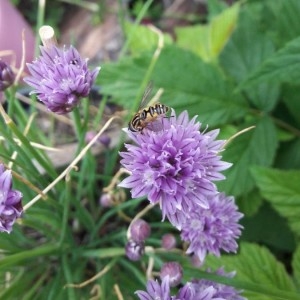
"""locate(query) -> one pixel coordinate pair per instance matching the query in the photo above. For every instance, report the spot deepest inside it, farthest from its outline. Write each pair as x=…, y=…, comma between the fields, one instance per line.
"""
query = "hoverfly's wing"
x=146, y=99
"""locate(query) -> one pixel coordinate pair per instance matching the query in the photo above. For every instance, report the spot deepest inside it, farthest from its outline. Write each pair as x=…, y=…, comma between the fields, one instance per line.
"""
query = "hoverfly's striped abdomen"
x=147, y=115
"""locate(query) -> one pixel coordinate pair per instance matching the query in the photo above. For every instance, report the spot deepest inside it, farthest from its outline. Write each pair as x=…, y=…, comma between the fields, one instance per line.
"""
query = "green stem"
x=68, y=276
x=66, y=210
x=140, y=16
x=79, y=128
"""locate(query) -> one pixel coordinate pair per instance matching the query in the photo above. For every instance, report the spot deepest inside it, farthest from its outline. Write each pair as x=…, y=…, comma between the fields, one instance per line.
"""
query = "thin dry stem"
x=22, y=66
x=72, y=164
x=35, y=145
x=85, y=283
x=26, y=130
x=160, y=43
x=47, y=35
x=96, y=290
x=115, y=180
x=118, y=292
x=137, y=216
x=236, y=135
x=42, y=108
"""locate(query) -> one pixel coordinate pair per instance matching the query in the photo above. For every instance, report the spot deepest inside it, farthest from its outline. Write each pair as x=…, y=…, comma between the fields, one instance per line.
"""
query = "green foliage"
x=282, y=190
x=240, y=68
x=258, y=272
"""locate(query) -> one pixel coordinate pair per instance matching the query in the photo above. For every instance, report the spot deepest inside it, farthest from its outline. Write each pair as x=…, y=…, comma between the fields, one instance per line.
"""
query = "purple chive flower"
x=208, y=290
x=213, y=229
x=156, y=291
x=60, y=77
x=10, y=201
x=173, y=270
x=175, y=167
x=134, y=250
x=140, y=230
x=7, y=76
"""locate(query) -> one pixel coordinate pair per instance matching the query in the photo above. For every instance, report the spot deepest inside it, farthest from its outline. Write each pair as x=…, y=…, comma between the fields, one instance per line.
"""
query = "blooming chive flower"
x=208, y=290
x=10, y=201
x=213, y=229
x=175, y=167
x=156, y=291
x=60, y=77
x=6, y=76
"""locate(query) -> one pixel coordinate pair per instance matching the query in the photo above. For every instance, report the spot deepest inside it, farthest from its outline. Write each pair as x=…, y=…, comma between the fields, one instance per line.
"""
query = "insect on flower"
x=148, y=112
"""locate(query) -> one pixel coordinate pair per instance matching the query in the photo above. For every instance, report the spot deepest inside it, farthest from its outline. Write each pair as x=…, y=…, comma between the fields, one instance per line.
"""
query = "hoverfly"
x=147, y=113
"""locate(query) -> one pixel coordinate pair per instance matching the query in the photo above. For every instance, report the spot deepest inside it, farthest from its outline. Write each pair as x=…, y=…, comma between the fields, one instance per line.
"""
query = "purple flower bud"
x=60, y=77
x=89, y=136
x=10, y=201
x=106, y=200
x=174, y=271
x=139, y=230
x=104, y=140
x=168, y=241
x=134, y=250
x=7, y=76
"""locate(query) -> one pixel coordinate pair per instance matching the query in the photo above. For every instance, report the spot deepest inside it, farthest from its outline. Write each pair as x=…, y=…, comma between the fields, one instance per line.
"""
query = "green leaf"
x=246, y=50
x=287, y=16
x=188, y=83
x=207, y=41
x=282, y=190
x=250, y=203
x=283, y=66
x=289, y=155
x=296, y=265
x=290, y=96
x=262, y=277
x=256, y=147
x=142, y=38
x=267, y=227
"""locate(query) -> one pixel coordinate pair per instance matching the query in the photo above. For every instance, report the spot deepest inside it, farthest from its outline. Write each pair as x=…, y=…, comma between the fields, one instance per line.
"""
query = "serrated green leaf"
x=142, y=38
x=188, y=83
x=256, y=265
x=249, y=203
x=282, y=190
x=256, y=147
x=296, y=265
x=207, y=41
x=283, y=66
x=287, y=16
x=246, y=50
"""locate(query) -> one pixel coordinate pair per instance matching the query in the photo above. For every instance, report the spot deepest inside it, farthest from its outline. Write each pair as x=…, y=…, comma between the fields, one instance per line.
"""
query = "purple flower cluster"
x=10, y=201
x=60, y=77
x=176, y=167
x=195, y=290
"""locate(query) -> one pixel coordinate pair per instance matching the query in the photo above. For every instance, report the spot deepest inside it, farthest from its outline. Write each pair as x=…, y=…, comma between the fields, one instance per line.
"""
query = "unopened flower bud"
x=174, y=271
x=106, y=200
x=139, y=230
x=89, y=135
x=168, y=241
x=6, y=76
x=104, y=140
x=134, y=250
